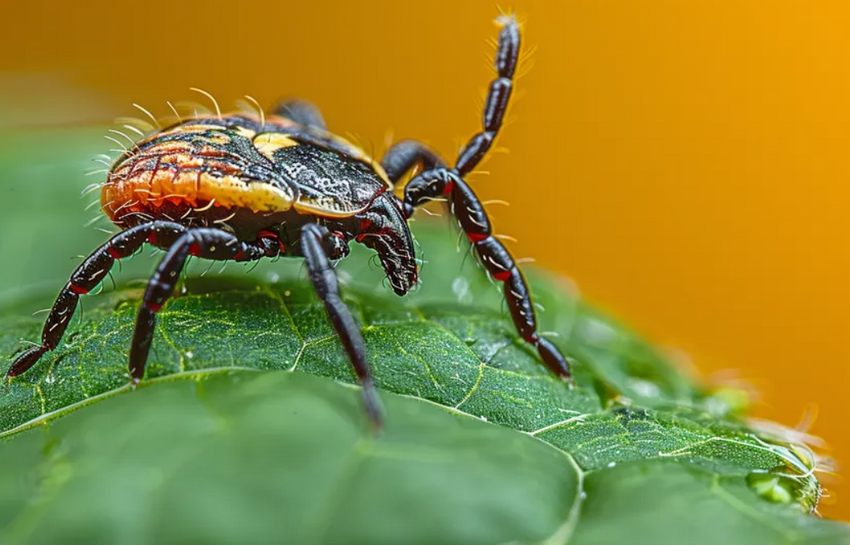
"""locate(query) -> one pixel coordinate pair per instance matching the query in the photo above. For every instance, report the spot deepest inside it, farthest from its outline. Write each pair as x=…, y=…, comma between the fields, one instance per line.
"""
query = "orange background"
x=685, y=162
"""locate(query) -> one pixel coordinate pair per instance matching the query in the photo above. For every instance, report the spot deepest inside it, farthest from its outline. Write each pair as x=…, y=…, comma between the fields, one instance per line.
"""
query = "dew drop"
x=460, y=287
x=727, y=400
x=596, y=332
x=645, y=388
x=344, y=277
x=770, y=487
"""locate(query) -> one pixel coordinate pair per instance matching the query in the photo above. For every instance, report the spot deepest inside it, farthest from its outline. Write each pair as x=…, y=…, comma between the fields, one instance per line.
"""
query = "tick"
x=243, y=187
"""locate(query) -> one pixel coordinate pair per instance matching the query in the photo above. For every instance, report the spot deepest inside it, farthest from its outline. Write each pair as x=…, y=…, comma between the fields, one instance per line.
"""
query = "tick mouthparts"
x=385, y=231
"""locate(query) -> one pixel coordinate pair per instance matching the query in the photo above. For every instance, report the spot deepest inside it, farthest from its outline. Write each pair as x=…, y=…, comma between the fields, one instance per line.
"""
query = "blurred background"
x=685, y=163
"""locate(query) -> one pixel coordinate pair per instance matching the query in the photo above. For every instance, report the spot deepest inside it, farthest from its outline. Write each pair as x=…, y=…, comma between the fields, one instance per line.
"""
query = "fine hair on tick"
x=261, y=184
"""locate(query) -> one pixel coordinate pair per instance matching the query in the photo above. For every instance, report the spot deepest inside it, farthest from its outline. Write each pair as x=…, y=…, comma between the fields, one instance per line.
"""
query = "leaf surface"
x=231, y=440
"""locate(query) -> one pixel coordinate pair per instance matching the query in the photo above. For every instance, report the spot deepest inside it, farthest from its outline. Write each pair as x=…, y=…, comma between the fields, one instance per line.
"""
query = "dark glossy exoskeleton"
x=243, y=187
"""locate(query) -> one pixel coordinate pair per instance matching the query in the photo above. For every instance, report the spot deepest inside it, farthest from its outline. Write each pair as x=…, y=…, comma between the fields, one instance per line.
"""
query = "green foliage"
x=276, y=457
x=235, y=438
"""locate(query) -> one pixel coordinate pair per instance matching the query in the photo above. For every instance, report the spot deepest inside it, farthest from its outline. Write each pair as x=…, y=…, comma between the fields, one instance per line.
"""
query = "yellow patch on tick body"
x=270, y=142
x=197, y=170
x=324, y=206
x=245, y=132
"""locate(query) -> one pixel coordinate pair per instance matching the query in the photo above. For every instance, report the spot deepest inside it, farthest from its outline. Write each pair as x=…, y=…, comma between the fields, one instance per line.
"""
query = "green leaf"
x=246, y=458
x=660, y=502
x=230, y=440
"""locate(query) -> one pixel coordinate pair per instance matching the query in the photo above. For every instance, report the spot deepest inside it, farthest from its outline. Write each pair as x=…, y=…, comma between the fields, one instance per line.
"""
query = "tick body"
x=243, y=187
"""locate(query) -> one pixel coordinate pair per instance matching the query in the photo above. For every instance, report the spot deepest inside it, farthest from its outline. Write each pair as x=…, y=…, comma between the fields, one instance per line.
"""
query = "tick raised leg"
x=316, y=245
x=507, y=57
x=472, y=216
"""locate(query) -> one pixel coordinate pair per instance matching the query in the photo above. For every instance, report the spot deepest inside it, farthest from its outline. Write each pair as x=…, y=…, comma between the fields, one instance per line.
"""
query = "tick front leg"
x=498, y=97
x=474, y=221
x=316, y=245
x=469, y=211
x=88, y=275
x=204, y=243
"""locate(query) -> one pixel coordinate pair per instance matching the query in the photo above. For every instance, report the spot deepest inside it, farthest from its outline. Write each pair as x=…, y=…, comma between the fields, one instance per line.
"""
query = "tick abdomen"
x=193, y=167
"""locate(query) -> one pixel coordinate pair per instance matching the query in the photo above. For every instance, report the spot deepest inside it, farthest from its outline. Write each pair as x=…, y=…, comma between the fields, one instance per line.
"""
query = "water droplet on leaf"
x=770, y=487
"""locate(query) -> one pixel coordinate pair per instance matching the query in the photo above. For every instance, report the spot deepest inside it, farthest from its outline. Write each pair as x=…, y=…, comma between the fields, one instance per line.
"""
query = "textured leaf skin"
x=210, y=451
x=275, y=457
x=662, y=502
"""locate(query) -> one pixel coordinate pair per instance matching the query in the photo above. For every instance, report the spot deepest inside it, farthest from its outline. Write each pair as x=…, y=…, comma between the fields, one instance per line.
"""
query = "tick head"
x=384, y=229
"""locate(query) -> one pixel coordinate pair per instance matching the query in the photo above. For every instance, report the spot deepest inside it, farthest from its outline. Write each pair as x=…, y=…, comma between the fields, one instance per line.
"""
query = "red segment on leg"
x=502, y=276
x=274, y=236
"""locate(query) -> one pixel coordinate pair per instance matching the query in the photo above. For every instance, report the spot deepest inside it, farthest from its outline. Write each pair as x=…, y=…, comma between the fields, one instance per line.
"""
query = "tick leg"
x=420, y=188
x=88, y=275
x=205, y=243
x=404, y=155
x=302, y=112
x=470, y=213
x=316, y=245
x=474, y=221
x=498, y=96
